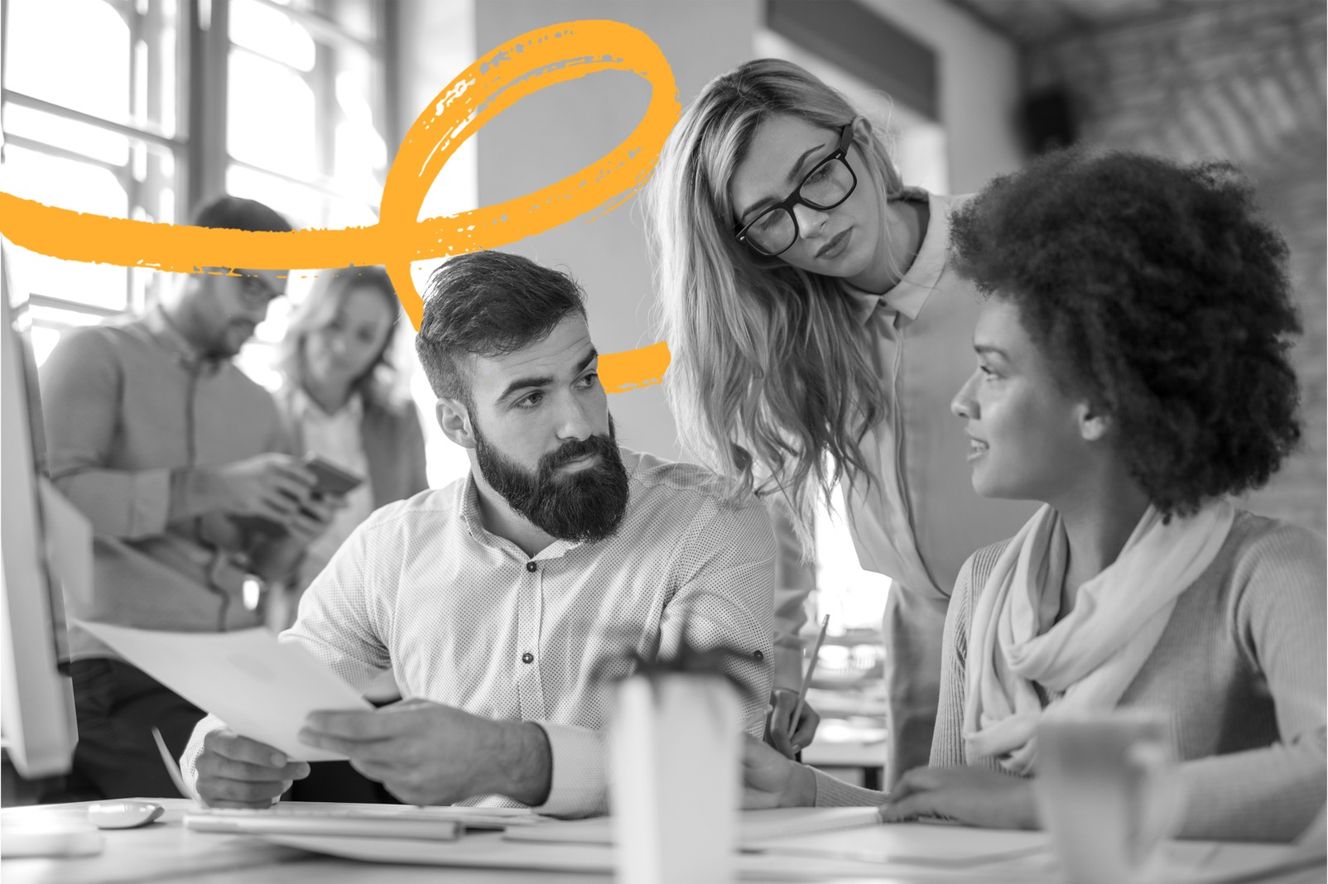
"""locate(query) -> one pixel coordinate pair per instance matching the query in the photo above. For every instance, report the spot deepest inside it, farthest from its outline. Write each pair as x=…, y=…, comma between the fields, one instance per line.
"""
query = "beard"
x=224, y=345
x=582, y=506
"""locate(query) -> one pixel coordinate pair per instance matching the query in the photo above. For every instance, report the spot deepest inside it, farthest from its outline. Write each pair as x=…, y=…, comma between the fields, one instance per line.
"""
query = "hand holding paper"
x=262, y=688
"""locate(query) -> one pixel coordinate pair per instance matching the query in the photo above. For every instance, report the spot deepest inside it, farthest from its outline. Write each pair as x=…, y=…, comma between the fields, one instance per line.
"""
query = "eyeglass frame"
x=794, y=199
x=251, y=289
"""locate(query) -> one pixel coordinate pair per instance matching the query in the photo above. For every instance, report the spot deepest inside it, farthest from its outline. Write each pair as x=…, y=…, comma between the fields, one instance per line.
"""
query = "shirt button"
x=759, y=656
x=532, y=568
x=527, y=657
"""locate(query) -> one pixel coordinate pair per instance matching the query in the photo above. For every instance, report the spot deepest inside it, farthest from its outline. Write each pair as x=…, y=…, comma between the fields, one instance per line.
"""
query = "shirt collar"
x=169, y=338
x=304, y=405
x=910, y=294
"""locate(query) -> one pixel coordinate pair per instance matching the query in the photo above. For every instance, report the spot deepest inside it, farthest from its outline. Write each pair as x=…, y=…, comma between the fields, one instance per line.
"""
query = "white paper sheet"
x=262, y=688
x=905, y=852
x=754, y=829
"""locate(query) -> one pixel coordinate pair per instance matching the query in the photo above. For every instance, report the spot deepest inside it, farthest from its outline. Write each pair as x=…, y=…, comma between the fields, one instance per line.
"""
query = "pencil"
x=807, y=677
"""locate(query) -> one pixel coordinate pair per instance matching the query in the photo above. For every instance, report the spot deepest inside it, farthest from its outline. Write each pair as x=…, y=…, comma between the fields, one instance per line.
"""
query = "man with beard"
x=504, y=602
x=167, y=447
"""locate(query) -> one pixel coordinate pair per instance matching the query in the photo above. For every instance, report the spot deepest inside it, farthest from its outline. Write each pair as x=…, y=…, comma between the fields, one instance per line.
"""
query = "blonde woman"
x=818, y=333
x=336, y=399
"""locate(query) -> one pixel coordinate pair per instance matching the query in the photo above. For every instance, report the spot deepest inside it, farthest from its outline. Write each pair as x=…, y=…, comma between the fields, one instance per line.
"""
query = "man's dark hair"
x=487, y=304
x=238, y=213
x=1159, y=292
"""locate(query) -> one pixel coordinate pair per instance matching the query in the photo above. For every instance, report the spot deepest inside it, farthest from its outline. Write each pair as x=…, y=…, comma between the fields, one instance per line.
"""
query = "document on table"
x=756, y=826
x=899, y=851
x=262, y=688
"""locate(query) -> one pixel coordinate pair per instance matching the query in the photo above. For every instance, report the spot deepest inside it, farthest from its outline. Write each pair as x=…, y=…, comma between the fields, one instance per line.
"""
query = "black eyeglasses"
x=827, y=185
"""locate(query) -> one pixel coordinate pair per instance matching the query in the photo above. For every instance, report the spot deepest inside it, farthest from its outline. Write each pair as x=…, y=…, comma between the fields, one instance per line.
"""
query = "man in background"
x=195, y=498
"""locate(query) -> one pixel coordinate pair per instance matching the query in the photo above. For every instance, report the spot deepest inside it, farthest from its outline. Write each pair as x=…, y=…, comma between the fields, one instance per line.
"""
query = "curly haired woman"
x=1132, y=374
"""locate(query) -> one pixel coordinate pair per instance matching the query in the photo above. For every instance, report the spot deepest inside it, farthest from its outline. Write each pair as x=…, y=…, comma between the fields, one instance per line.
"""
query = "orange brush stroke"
x=515, y=70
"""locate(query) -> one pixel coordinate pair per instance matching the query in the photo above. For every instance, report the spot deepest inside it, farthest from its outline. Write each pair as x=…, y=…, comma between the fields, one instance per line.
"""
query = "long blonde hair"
x=771, y=380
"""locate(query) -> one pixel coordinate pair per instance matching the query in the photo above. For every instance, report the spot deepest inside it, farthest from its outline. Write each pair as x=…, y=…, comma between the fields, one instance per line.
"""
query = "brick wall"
x=1242, y=80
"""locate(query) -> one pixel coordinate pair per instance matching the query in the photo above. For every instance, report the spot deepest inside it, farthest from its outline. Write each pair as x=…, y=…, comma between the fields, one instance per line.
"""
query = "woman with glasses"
x=817, y=333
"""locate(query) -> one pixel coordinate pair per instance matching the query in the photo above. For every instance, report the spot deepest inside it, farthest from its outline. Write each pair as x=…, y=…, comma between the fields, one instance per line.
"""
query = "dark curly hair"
x=1159, y=292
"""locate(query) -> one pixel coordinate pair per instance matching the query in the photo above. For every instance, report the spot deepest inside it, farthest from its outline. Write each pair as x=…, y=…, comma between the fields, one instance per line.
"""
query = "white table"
x=167, y=852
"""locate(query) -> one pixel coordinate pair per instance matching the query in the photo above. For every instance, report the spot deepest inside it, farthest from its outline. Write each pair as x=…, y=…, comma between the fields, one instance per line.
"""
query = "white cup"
x=675, y=749
x=1108, y=793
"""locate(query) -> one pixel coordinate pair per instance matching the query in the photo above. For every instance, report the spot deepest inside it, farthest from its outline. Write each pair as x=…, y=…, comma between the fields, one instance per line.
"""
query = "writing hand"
x=781, y=731
x=771, y=780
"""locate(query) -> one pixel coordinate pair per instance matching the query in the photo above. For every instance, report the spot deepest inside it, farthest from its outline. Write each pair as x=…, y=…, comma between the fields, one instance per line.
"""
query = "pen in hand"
x=785, y=719
x=811, y=669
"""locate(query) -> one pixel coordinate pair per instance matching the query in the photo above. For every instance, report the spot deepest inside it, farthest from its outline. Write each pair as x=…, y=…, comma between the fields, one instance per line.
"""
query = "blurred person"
x=176, y=457
x=818, y=331
x=503, y=603
x=1132, y=375
x=337, y=402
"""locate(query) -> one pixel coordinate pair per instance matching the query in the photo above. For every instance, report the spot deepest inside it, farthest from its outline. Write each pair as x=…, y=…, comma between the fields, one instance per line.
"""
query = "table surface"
x=167, y=852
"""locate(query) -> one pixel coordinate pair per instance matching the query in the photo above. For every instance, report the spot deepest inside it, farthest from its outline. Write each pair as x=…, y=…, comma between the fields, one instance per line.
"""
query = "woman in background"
x=818, y=333
x=1132, y=373
x=336, y=401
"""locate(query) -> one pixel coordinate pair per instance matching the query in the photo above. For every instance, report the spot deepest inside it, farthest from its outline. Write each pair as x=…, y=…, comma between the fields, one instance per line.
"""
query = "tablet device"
x=331, y=479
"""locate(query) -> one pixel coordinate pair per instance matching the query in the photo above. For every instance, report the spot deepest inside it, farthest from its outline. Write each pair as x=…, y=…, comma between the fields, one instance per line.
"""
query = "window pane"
x=76, y=53
x=71, y=185
x=272, y=34
x=359, y=150
x=303, y=205
x=853, y=596
x=271, y=117
x=356, y=16
x=91, y=141
x=44, y=340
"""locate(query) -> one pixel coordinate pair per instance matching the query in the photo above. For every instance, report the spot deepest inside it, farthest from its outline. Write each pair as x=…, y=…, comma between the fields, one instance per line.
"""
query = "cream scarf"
x=1095, y=652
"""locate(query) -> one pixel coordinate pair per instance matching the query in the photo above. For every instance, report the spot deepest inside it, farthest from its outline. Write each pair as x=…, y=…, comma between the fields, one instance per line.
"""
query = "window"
x=99, y=135
x=110, y=106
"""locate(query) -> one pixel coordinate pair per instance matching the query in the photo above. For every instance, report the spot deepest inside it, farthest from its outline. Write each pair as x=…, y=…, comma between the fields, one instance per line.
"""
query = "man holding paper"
x=504, y=602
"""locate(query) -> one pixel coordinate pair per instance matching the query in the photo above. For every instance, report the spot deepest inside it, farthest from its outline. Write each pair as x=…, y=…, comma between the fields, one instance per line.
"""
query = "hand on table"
x=969, y=795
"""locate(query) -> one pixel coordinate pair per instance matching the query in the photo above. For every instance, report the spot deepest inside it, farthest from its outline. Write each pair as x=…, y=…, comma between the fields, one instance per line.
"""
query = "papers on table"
x=907, y=852
x=262, y=688
x=755, y=826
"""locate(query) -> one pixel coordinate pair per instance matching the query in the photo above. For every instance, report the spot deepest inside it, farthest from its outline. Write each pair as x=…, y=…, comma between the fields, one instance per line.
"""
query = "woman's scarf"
x=1095, y=652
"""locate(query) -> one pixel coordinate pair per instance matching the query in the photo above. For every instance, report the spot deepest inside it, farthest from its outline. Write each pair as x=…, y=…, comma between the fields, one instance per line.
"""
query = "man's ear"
x=454, y=418
x=1094, y=421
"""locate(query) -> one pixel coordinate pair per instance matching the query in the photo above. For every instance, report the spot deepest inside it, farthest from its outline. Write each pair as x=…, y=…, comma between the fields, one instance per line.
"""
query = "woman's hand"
x=771, y=780
x=968, y=795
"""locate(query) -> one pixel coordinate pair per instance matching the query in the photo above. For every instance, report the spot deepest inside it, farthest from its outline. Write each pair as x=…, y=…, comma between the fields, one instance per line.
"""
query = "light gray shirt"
x=464, y=618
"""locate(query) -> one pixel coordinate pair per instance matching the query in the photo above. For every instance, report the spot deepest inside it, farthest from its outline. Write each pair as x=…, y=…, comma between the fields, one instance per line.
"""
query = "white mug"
x=1108, y=793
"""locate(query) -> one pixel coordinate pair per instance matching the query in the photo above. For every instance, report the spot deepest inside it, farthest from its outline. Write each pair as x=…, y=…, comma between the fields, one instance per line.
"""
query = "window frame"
x=198, y=146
